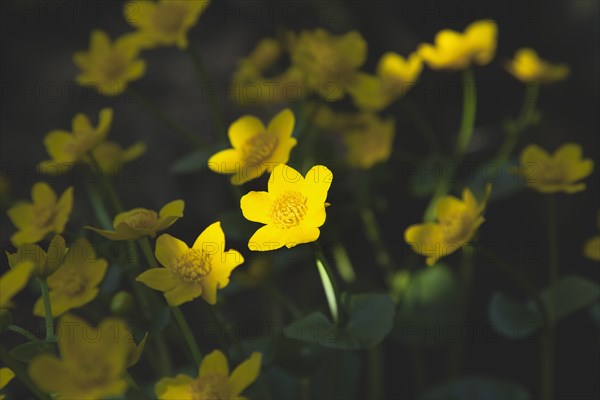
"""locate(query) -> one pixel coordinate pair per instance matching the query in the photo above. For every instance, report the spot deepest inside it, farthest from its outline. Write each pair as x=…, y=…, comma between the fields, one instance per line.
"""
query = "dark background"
x=38, y=94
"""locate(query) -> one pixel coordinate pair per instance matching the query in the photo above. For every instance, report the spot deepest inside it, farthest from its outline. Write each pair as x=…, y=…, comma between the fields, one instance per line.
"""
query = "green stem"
x=548, y=335
x=165, y=119
x=21, y=373
x=373, y=233
x=330, y=287
x=217, y=113
x=375, y=379
x=465, y=133
x=23, y=332
x=98, y=206
x=47, y=310
x=187, y=334
x=144, y=243
x=524, y=120
x=422, y=124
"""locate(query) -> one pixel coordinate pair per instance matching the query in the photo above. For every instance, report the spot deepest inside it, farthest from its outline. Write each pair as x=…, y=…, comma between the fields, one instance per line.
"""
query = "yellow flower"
x=140, y=222
x=46, y=263
x=213, y=382
x=13, y=281
x=76, y=282
x=109, y=67
x=256, y=149
x=529, y=68
x=6, y=375
x=166, y=22
x=591, y=248
x=192, y=272
x=111, y=156
x=328, y=62
x=455, y=50
x=93, y=360
x=458, y=220
x=369, y=143
x=46, y=214
x=395, y=76
x=66, y=148
x=293, y=209
x=555, y=173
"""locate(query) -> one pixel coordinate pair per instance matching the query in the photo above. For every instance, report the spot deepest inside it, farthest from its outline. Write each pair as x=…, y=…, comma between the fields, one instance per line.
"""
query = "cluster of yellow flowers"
x=292, y=210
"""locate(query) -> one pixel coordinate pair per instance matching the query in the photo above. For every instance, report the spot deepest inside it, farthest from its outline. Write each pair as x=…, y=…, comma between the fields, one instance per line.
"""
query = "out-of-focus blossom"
x=529, y=68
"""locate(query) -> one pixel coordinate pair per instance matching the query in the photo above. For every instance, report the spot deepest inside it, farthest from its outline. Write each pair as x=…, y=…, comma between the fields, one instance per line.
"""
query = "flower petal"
x=22, y=215
x=448, y=206
x=243, y=129
x=223, y=265
x=177, y=388
x=214, y=363
x=211, y=240
x=43, y=195
x=282, y=124
x=425, y=239
x=283, y=179
x=168, y=248
x=172, y=209
x=245, y=373
x=227, y=161
x=316, y=185
x=256, y=205
x=302, y=234
x=182, y=293
x=158, y=279
x=49, y=373
x=269, y=237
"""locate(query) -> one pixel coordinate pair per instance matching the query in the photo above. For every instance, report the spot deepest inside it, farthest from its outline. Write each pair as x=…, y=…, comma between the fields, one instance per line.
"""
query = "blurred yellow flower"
x=457, y=222
x=111, y=156
x=93, y=360
x=109, y=67
x=395, y=76
x=591, y=248
x=166, y=22
x=192, y=272
x=46, y=263
x=454, y=50
x=13, y=281
x=293, y=209
x=559, y=172
x=529, y=68
x=140, y=222
x=370, y=143
x=76, y=282
x=46, y=214
x=213, y=382
x=256, y=149
x=328, y=62
x=6, y=375
x=66, y=148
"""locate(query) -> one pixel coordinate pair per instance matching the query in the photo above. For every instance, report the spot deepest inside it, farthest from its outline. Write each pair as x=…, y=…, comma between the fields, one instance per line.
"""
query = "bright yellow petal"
x=158, y=279
x=209, y=290
x=214, y=363
x=316, y=185
x=6, y=375
x=315, y=217
x=426, y=239
x=172, y=209
x=243, y=129
x=211, y=240
x=182, y=293
x=13, y=281
x=177, y=388
x=283, y=179
x=269, y=237
x=227, y=161
x=256, y=206
x=281, y=154
x=449, y=206
x=245, y=374
x=223, y=264
x=301, y=234
x=282, y=125
x=43, y=195
x=168, y=249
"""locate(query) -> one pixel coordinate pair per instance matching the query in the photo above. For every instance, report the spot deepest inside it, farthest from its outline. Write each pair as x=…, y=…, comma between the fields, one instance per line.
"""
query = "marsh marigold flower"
x=189, y=273
x=457, y=222
x=559, y=172
x=76, y=281
x=256, y=149
x=328, y=62
x=293, y=209
x=93, y=360
x=44, y=215
x=13, y=281
x=455, y=51
x=395, y=76
x=166, y=22
x=46, y=262
x=529, y=68
x=6, y=375
x=109, y=67
x=111, y=156
x=591, y=248
x=66, y=148
x=140, y=222
x=213, y=381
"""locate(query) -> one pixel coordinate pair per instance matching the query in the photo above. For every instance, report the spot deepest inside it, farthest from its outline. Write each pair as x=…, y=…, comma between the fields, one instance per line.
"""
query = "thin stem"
x=23, y=332
x=187, y=334
x=330, y=287
x=217, y=113
x=375, y=383
x=47, y=310
x=373, y=233
x=165, y=119
x=144, y=243
x=98, y=206
x=21, y=373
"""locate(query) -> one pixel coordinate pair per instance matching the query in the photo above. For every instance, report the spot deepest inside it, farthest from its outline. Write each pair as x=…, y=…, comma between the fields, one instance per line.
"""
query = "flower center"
x=288, y=210
x=113, y=66
x=193, y=266
x=142, y=219
x=552, y=173
x=210, y=387
x=81, y=143
x=456, y=227
x=169, y=17
x=44, y=216
x=91, y=372
x=72, y=284
x=259, y=148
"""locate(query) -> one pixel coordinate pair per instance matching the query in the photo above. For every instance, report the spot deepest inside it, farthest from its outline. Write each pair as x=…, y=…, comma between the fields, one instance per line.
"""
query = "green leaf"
x=518, y=320
x=370, y=319
x=27, y=351
x=428, y=305
x=194, y=162
x=477, y=388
